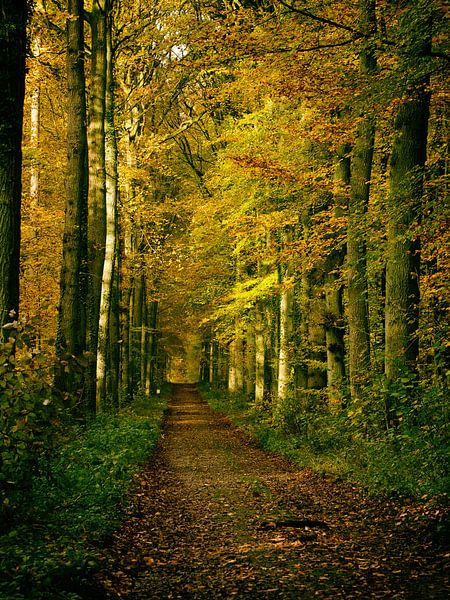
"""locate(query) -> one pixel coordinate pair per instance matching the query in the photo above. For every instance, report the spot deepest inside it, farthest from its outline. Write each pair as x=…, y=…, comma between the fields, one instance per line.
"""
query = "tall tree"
x=111, y=223
x=71, y=336
x=97, y=182
x=406, y=186
x=14, y=14
x=361, y=172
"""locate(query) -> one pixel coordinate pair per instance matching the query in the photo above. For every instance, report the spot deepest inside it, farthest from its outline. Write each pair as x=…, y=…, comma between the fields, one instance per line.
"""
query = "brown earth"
x=215, y=517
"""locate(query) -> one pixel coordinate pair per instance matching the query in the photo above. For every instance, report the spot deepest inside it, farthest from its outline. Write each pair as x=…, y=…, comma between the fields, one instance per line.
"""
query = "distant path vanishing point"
x=215, y=517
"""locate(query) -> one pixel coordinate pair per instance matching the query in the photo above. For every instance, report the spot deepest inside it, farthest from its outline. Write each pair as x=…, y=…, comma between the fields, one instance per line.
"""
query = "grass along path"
x=215, y=517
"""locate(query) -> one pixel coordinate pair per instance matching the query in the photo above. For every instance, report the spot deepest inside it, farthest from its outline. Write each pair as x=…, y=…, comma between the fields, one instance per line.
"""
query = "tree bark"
x=125, y=293
x=334, y=313
x=232, y=381
x=361, y=172
x=111, y=225
x=35, y=118
x=12, y=84
x=113, y=376
x=249, y=378
x=260, y=355
x=97, y=183
x=285, y=329
x=404, y=202
x=71, y=336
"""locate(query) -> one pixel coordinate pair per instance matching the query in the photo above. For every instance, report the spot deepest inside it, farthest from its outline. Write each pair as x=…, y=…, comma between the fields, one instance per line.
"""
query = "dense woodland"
x=249, y=193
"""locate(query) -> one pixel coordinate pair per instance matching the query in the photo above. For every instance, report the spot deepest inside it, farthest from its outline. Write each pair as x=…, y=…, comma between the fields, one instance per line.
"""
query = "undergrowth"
x=411, y=460
x=74, y=503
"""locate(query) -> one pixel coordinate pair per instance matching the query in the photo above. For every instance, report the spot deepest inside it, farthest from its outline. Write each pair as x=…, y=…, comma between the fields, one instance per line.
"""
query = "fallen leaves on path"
x=215, y=517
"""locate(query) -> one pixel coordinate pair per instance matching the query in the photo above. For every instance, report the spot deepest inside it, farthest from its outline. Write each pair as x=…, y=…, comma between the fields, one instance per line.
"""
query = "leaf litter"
x=213, y=516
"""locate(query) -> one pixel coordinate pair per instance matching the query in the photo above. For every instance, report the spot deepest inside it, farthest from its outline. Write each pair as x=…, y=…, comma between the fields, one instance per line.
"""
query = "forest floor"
x=215, y=517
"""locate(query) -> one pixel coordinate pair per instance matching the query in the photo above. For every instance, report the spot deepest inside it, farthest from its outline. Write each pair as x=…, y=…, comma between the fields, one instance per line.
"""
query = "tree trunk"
x=111, y=225
x=124, y=240
x=137, y=314
x=260, y=355
x=35, y=118
x=285, y=330
x=232, y=381
x=249, y=379
x=143, y=350
x=334, y=313
x=150, y=379
x=317, y=375
x=71, y=336
x=97, y=183
x=404, y=201
x=361, y=172
x=12, y=85
x=403, y=262
x=113, y=377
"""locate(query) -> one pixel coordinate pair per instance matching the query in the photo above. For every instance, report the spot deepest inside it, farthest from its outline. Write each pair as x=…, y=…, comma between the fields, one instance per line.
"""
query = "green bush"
x=411, y=458
x=30, y=417
x=75, y=505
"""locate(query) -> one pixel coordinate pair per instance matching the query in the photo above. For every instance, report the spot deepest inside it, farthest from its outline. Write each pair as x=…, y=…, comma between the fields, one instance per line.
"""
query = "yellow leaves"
x=246, y=293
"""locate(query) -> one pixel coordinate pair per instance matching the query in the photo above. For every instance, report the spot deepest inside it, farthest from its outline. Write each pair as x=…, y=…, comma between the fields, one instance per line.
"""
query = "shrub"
x=30, y=416
x=74, y=504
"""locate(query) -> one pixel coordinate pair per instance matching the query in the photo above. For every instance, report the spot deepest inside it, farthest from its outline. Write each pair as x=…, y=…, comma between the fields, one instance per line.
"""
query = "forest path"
x=215, y=517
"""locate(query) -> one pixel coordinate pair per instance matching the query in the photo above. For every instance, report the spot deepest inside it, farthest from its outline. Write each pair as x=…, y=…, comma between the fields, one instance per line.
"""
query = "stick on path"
x=215, y=517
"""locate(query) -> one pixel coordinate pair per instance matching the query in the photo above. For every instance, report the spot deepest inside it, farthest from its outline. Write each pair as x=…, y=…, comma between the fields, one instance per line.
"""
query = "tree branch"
x=324, y=20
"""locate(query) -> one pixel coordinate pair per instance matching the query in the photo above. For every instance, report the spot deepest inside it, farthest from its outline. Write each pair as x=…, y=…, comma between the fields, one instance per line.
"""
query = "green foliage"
x=409, y=459
x=75, y=505
x=234, y=404
x=30, y=415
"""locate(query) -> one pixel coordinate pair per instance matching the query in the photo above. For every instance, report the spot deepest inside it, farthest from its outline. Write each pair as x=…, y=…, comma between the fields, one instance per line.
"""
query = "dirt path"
x=214, y=517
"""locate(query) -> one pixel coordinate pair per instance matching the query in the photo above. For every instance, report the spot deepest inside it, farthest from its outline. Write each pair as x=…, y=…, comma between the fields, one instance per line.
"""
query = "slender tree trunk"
x=71, y=336
x=361, y=173
x=212, y=360
x=150, y=380
x=301, y=337
x=239, y=358
x=35, y=118
x=136, y=331
x=12, y=85
x=111, y=225
x=334, y=315
x=223, y=366
x=143, y=350
x=113, y=378
x=249, y=379
x=260, y=355
x=273, y=319
x=124, y=240
x=286, y=330
x=232, y=380
x=97, y=183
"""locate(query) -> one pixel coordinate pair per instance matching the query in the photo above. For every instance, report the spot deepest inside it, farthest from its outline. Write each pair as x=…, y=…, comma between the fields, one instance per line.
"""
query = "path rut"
x=216, y=517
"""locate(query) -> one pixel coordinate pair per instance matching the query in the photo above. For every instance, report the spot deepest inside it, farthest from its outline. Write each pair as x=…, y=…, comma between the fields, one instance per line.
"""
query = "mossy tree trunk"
x=404, y=201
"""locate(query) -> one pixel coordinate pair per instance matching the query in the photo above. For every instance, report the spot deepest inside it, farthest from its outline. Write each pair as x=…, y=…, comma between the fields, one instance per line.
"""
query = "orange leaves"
x=263, y=168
